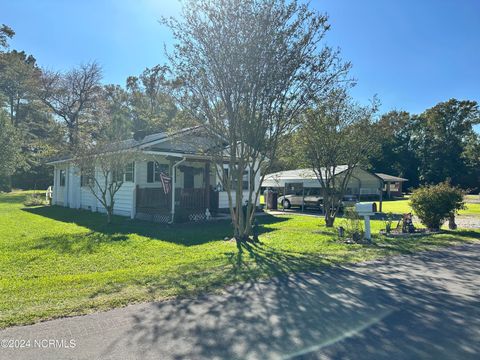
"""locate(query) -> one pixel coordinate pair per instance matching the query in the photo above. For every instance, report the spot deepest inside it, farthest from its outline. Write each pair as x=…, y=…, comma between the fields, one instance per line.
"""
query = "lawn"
x=402, y=206
x=59, y=262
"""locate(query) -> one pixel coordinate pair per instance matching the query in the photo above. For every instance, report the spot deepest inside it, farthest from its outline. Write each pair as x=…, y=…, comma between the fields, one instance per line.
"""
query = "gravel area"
x=468, y=222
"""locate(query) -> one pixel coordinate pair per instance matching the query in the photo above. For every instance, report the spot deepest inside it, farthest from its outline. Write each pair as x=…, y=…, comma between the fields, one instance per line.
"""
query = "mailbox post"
x=366, y=209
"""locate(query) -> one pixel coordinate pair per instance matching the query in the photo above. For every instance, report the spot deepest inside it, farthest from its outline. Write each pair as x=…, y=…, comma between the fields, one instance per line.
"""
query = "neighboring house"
x=180, y=156
x=362, y=184
x=393, y=185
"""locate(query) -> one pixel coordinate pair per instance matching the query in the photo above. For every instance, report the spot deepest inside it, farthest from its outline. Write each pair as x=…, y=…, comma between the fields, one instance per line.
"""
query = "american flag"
x=166, y=182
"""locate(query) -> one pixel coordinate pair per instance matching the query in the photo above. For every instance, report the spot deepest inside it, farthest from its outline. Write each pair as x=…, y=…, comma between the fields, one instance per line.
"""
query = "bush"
x=35, y=200
x=433, y=204
x=353, y=224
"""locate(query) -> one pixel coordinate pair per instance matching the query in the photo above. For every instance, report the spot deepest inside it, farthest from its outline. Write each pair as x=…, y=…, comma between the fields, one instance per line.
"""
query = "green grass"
x=472, y=209
x=395, y=206
x=403, y=206
x=59, y=262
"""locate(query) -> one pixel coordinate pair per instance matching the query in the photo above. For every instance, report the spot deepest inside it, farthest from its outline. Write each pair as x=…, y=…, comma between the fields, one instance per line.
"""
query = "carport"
x=363, y=184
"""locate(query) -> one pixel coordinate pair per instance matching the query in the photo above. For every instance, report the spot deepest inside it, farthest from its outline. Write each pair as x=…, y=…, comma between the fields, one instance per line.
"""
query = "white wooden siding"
x=223, y=199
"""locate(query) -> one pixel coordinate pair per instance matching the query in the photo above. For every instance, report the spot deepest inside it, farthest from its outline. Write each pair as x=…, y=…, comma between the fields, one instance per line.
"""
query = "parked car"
x=312, y=199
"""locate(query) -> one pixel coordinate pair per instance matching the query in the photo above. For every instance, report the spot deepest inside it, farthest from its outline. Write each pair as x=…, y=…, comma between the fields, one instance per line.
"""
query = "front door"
x=188, y=178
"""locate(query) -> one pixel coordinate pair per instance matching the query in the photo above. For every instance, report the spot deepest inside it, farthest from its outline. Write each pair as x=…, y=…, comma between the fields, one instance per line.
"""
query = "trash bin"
x=271, y=199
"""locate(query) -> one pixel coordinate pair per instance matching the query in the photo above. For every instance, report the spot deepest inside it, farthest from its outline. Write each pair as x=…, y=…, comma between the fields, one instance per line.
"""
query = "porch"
x=191, y=204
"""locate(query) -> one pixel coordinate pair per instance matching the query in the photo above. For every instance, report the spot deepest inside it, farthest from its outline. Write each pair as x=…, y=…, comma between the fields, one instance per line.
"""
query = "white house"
x=178, y=155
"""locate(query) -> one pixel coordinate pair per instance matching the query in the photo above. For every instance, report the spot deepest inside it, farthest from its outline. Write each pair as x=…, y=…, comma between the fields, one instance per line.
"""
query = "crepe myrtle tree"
x=338, y=136
x=104, y=158
x=104, y=174
x=246, y=69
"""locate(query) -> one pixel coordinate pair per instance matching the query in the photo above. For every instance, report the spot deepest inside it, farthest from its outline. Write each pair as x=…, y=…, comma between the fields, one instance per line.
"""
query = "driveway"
x=425, y=306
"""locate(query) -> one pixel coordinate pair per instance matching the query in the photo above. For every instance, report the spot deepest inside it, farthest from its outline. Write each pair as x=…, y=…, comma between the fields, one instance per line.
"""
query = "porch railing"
x=151, y=200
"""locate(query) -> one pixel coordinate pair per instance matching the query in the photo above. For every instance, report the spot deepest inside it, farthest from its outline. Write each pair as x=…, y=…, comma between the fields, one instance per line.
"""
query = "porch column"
x=55, y=185
x=207, y=185
x=381, y=198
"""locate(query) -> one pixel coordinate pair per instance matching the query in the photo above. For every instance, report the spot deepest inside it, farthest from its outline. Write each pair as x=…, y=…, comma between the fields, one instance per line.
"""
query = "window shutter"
x=150, y=172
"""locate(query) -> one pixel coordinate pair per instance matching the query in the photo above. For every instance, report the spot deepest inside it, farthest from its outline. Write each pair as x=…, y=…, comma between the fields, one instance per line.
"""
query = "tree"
x=102, y=159
x=290, y=153
x=396, y=137
x=5, y=34
x=471, y=156
x=247, y=70
x=116, y=103
x=35, y=129
x=339, y=136
x=444, y=132
x=10, y=156
x=152, y=107
x=433, y=204
x=19, y=80
x=71, y=96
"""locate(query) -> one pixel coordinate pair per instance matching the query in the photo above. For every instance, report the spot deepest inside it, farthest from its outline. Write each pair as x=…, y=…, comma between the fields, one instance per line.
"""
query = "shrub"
x=389, y=222
x=35, y=200
x=433, y=204
x=352, y=223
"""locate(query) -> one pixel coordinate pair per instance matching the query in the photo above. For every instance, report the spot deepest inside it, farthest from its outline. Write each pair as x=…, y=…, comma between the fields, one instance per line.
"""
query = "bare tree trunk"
x=329, y=218
x=451, y=222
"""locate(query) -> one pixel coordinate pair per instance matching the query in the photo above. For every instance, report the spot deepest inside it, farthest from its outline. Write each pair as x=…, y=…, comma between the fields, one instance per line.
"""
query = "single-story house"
x=362, y=183
x=392, y=184
x=178, y=156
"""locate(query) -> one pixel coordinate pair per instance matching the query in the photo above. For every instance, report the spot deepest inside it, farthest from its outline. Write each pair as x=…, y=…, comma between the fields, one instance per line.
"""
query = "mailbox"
x=366, y=208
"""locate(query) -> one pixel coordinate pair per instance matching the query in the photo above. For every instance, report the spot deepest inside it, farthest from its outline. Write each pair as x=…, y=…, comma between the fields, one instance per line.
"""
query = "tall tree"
x=152, y=107
x=10, y=156
x=71, y=96
x=5, y=33
x=339, y=136
x=115, y=101
x=19, y=80
x=290, y=153
x=443, y=134
x=397, y=138
x=471, y=156
x=247, y=70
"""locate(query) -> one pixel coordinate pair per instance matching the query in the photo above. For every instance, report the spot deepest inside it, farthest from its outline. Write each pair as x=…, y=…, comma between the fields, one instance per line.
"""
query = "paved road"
x=425, y=306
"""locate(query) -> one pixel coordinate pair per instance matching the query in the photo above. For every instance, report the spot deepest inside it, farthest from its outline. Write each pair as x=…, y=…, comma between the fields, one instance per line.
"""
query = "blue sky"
x=412, y=54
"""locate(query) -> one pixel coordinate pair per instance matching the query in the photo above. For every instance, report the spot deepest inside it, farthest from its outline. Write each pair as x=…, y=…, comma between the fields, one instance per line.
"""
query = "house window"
x=127, y=175
x=160, y=168
x=62, y=177
x=130, y=172
x=154, y=169
x=86, y=177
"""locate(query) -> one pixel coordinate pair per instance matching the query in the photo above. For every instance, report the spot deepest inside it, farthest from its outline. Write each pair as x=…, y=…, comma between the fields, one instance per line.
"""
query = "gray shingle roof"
x=132, y=143
x=386, y=177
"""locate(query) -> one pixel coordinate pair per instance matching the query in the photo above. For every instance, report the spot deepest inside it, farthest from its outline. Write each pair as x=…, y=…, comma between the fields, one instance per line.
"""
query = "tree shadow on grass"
x=463, y=232
x=77, y=244
x=187, y=234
